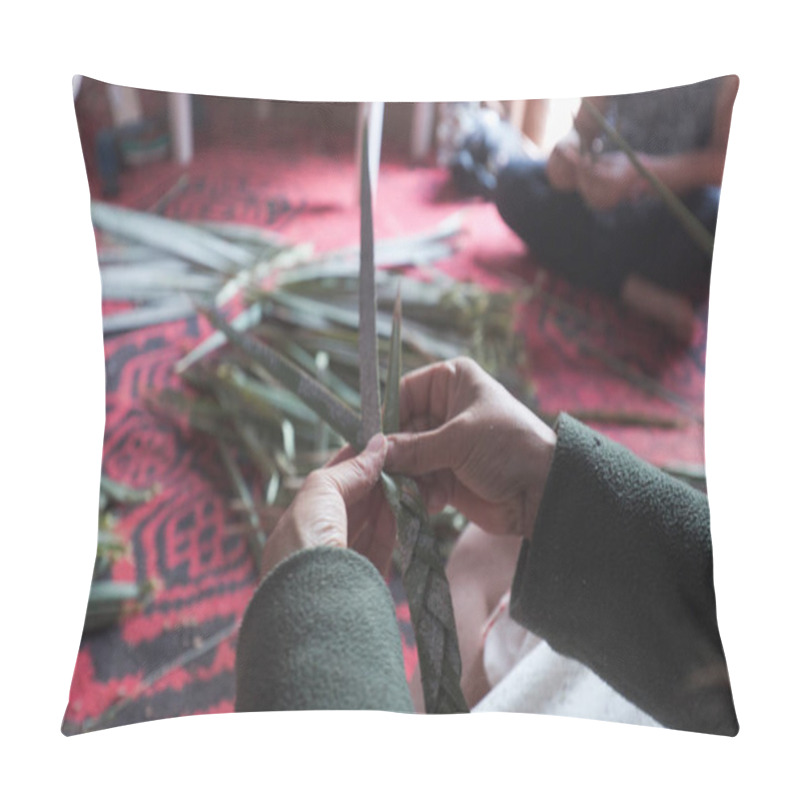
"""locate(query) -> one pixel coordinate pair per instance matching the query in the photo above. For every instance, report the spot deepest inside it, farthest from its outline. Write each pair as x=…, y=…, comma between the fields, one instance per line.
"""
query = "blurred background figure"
x=586, y=213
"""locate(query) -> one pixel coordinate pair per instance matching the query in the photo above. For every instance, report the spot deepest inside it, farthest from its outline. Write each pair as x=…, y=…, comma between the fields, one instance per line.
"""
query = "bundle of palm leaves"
x=306, y=306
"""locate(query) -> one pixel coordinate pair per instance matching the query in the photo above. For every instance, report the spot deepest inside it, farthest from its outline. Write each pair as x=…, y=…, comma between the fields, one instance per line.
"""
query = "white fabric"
x=527, y=675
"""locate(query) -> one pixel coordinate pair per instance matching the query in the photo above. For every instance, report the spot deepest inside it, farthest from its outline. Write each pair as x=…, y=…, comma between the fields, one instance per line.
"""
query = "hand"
x=608, y=179
x=566, y=157
x=339, y=505
x=562, y=165
x=470, y=444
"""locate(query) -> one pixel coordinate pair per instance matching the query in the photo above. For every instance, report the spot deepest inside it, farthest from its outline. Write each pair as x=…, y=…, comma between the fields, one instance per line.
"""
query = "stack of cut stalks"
x=305, y=306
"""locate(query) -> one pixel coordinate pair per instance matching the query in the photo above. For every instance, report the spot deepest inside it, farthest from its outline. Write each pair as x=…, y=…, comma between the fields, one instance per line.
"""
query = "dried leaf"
x=113, y=591
x=134, y=318
x=288, y=440
x=326, y=376
x=391, y=399
x=257, y=452
x=109, y=601
x=177, y=238
x=134, y=284
x=125, y=254
x=282, y=260
x=121, y=493
x=417, y=249
x=273, y=487
x=243, y=234
x=315, y=395
x=367, y=312
x=247, y=319
x=268, y=401
x=422, y=570
x=256, y=538
x=119, y=261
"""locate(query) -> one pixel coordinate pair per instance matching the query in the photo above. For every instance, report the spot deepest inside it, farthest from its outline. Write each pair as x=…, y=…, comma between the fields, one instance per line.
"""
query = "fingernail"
x=375, y=444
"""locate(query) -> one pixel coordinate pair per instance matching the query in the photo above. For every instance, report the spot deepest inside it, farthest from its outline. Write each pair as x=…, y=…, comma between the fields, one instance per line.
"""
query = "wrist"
x=279, y=546
x=541, y=451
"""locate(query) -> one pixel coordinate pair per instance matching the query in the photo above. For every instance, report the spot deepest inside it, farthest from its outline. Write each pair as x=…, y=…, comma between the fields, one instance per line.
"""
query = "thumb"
x=354, y=477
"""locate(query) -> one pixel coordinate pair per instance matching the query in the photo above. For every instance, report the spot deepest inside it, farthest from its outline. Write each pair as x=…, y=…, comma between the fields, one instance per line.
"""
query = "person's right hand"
x=472, y=445
x=608, y=180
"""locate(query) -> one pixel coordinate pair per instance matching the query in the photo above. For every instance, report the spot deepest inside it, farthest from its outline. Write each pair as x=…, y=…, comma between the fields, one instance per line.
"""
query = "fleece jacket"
x=321, y=633
x=618, y=575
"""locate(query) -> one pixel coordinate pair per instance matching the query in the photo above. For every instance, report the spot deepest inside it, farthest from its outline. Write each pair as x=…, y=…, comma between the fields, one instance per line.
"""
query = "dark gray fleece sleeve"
x=618, y=575
x=321, y=633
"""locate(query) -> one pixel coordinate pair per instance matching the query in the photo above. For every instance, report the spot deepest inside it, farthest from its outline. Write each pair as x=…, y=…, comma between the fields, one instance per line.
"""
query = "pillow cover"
x=580, y=282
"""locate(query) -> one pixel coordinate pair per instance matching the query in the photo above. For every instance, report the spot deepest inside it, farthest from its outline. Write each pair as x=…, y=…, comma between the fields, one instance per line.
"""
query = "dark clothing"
x=664, y=121
x=321, y=633
x=600, y=249
x=617, y=574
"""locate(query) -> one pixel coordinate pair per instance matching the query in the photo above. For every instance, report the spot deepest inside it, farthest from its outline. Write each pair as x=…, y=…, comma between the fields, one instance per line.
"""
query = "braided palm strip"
x=429, y=602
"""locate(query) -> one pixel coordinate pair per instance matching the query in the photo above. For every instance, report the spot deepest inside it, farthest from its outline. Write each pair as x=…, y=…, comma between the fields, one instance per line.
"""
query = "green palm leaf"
x=422, y=568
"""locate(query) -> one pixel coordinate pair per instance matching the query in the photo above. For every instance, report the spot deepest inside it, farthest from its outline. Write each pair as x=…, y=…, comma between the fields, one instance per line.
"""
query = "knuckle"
x=325, y=533
x=415, y=456
x=356, y=473
x=318, y=481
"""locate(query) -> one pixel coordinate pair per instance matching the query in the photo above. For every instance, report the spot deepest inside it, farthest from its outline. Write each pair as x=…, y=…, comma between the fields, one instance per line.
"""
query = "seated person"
x=613, y=566
x=588, y=215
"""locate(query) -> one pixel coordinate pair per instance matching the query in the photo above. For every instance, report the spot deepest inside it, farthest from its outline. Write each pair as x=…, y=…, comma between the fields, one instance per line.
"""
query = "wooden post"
x=126, y=106
x=422, y=126
x=535, y=120
x=180, y=125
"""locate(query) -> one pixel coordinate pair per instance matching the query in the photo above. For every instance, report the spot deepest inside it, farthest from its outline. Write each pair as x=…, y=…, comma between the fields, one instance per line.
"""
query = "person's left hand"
x=608, y=179
x=340, y=505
